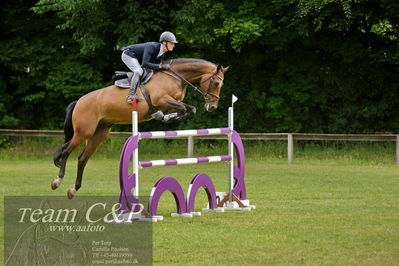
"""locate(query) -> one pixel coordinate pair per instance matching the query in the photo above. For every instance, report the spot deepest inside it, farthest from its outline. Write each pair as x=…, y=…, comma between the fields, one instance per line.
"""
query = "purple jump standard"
x=185, y=205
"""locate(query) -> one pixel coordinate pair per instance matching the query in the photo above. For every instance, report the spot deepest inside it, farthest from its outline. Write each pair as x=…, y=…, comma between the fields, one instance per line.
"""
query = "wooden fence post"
x=190, y=146
x=397, y=149
x=290, y=148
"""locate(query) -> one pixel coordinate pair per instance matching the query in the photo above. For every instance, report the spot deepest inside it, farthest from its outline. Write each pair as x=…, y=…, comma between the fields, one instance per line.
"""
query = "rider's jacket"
x=146, y=54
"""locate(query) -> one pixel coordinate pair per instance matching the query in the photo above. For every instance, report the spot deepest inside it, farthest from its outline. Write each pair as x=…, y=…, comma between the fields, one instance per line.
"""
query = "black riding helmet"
x=167, y=36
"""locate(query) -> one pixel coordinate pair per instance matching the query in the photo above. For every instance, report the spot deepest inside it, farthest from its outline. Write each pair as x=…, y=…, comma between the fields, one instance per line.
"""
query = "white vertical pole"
x=135, y=132
x=231, y=153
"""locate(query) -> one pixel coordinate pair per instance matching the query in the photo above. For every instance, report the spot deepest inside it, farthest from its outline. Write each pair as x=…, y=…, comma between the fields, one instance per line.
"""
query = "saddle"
x=122, y=79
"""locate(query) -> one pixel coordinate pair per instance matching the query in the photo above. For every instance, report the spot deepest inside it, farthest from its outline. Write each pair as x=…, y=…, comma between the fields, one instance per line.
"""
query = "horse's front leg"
x=180, y=116
x=175, y=111
x=190, y=112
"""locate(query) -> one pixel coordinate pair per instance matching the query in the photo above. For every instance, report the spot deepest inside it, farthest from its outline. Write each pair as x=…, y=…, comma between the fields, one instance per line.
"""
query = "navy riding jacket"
x=146, y=54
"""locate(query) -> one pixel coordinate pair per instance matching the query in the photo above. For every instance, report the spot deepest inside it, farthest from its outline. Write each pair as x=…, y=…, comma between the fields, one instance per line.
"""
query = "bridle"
x=212, y=80
x=205, y=94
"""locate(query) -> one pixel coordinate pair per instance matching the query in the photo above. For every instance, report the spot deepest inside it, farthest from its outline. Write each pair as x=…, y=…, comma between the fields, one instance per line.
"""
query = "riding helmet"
x=167, y=36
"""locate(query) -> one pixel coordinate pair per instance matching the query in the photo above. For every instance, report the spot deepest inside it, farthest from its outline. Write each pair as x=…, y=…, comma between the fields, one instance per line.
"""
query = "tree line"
x=326, y=66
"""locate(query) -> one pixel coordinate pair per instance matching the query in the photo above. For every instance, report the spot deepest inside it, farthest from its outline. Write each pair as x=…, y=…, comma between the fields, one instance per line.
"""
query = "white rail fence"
x=289, y=137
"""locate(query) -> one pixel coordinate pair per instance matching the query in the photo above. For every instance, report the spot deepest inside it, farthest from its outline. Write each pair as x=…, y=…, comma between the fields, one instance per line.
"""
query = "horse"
x=90, y=118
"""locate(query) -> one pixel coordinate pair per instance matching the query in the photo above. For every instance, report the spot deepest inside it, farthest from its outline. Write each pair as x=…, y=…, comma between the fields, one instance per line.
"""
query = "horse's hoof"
x=71, y=193
x=56, y=183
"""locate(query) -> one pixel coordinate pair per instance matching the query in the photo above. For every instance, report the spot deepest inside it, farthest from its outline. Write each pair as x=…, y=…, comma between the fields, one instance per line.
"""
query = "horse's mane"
x=188, y=60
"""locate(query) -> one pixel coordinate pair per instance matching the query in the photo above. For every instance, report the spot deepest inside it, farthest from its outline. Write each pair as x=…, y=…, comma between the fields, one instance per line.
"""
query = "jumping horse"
x=91, y=117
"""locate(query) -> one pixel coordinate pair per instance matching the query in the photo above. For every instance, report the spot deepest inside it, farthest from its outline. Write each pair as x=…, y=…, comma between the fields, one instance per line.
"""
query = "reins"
x=179, y=77
x=187, y=82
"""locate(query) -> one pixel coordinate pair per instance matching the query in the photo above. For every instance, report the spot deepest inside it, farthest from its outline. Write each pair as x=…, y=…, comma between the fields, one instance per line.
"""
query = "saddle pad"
x=125, y=83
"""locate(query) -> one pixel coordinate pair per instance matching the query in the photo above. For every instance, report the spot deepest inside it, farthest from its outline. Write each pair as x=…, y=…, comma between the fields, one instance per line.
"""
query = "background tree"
x=298, y=66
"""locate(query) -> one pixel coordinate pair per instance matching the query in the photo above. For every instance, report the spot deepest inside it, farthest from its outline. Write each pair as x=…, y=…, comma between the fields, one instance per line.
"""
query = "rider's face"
x=170, y=46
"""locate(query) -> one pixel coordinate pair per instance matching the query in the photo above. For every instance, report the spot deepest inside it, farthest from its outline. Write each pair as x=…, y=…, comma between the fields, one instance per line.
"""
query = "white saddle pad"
x=123, y=83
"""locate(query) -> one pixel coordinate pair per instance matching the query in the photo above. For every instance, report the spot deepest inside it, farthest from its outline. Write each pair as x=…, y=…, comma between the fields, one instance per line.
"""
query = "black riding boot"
x=133, y=87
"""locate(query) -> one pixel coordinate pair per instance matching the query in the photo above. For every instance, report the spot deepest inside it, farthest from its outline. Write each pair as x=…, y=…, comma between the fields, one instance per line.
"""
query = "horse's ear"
x=225, y=69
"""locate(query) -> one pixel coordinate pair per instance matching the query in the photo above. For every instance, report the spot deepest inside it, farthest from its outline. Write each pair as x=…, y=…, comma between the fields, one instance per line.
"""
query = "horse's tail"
x=68, y=132
x=68, y=126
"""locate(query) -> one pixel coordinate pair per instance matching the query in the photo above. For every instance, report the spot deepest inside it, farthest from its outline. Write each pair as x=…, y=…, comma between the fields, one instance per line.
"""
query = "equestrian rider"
x=146, y=55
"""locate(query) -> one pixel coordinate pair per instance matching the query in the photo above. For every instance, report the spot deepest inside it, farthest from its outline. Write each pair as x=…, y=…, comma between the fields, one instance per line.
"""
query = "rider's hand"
x=164, y=66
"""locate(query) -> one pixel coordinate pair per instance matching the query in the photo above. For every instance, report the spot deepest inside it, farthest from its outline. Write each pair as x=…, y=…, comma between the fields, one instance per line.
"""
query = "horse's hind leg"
x=99, y=136
x=57, y=155
x=66, y=150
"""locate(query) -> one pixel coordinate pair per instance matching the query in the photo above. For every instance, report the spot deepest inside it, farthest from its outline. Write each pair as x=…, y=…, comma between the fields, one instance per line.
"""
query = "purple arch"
x=239, y=169
x=163, y=184
x=127, y=181
x=198, y=181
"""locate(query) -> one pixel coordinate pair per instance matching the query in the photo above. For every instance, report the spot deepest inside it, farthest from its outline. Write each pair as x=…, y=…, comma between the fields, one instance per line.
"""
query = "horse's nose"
x=212, y=108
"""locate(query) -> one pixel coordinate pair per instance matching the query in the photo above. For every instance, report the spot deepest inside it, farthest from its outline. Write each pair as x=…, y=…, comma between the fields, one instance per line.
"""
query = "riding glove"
x=165, y=67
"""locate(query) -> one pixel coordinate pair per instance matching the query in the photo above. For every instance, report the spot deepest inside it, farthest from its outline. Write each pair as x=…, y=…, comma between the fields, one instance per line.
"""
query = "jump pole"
x=232, y=135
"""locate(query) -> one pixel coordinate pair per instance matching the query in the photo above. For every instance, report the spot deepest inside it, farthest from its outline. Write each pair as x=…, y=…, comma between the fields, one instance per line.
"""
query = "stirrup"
x=130, y=98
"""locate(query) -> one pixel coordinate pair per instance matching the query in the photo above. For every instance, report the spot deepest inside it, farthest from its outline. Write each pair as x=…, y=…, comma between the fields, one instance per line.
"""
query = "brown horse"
x=91, y=117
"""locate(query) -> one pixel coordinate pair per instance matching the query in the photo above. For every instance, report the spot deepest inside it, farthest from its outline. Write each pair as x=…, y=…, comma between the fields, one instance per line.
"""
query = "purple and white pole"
x=184, y=133
x=209, y=159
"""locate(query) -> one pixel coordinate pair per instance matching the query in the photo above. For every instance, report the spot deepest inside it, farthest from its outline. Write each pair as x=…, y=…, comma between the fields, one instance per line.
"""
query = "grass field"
x=338, y=210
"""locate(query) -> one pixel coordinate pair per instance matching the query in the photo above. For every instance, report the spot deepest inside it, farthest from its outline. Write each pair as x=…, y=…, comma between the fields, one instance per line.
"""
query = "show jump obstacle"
x=235, y=199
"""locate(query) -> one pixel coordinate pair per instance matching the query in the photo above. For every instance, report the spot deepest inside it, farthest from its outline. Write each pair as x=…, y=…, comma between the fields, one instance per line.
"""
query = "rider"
x=147, y=55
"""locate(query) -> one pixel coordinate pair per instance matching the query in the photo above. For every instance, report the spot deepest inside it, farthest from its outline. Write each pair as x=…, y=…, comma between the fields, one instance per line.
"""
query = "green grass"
x=333, y=205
